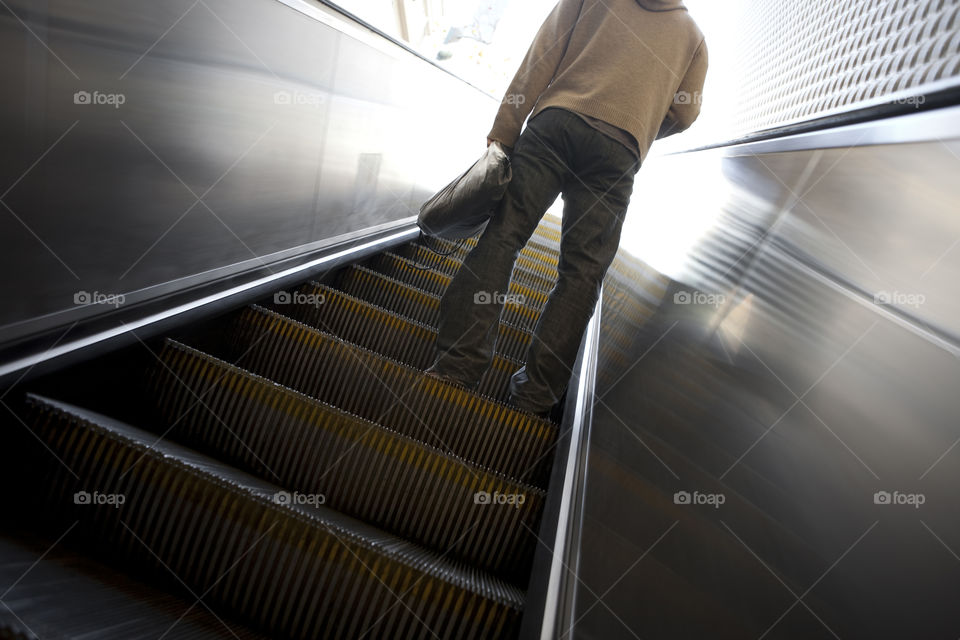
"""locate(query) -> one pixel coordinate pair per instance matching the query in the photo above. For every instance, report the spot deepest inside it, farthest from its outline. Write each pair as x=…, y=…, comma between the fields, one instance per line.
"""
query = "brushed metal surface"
x=883, y=219
x=752, y=360
x=210, y=134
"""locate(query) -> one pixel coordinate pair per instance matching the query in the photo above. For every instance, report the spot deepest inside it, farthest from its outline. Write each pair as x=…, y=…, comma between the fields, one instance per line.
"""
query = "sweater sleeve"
x=536, y=71
x=686, y=102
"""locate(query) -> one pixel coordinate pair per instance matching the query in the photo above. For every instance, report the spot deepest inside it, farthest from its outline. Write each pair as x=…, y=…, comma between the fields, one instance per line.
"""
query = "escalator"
x=288, y=468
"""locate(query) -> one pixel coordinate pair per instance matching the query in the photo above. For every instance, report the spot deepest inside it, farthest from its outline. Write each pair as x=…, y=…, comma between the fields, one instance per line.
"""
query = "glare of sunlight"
x=484, y=41
x=667, y=218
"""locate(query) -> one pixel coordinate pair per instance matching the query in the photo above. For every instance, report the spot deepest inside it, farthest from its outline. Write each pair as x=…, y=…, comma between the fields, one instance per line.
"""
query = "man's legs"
x=470, y=310
x=595, y=203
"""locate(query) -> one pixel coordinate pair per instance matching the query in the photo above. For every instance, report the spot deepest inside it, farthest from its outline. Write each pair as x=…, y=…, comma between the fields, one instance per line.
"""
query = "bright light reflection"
x=673, y=209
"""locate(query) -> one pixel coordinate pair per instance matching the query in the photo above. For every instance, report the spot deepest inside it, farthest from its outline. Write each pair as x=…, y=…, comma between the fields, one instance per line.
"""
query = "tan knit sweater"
x=636, y=64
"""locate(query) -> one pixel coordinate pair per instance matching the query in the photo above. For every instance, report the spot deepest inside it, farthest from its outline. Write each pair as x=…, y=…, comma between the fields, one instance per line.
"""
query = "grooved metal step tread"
x=413, y=303
x=363, y=469
x=294, y=571
x=435, y=283
x=385, y=332
x=425, y=257
x=534, y=250
x=470, y=426
x=537, y=243
x=407, y=271
x=459, y=252
x=550, y=227
x=435, y=278
x=545, y=237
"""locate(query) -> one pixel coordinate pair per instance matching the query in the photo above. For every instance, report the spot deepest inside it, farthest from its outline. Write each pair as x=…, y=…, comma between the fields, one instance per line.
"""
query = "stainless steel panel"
x=887, y=219
x=244, y=130
x=882, y=218
x=817, y=428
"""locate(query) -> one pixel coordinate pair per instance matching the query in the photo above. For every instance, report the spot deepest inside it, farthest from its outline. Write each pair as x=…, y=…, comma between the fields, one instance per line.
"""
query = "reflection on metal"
x=231, y=296
x=879, y=218
x=929, y=126
x=561, y=588
x=780, y=414
x=368, y=174
x=149, y=147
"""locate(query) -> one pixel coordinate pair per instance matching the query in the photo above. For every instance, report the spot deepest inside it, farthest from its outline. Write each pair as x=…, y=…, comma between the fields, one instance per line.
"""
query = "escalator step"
x=425, y=257
x=390, y=294
x=435, y=283
x=538, y=243
x=550, y=227
x=546, y=237
x=532, y=250
x=409, y=272
x=383, y=331
x=459, y=251
x=547, y=233
x=436, y=280
x=291, y=570
x=362, y=469
x=413, y=303
x=470, y=426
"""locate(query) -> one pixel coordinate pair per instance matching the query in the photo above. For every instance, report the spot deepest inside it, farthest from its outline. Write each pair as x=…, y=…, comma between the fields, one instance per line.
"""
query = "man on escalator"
x=603, y=79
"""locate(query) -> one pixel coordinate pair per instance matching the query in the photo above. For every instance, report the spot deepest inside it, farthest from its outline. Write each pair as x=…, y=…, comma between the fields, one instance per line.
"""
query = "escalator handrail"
x=551, y=596
x=84, y=338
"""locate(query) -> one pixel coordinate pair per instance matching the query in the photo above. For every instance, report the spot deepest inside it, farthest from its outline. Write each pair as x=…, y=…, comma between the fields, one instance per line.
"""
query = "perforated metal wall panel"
x=804, y=59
